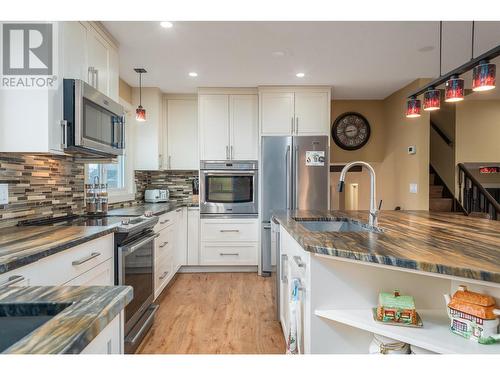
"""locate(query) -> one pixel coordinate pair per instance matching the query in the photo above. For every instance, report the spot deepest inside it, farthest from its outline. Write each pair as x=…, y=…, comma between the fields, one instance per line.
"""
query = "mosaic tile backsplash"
x=179, y=183
x=40, y=186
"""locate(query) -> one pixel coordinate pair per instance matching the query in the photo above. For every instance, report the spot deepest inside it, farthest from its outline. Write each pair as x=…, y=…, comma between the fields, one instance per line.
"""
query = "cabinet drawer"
x=163, y=273
x=164, y=242
x=222, y=230
x=228, y=254
x=102, y=275
x=165, y=220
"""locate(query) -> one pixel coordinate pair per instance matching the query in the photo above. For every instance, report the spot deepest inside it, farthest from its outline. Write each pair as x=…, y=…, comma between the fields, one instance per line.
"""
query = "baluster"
x=460, y=191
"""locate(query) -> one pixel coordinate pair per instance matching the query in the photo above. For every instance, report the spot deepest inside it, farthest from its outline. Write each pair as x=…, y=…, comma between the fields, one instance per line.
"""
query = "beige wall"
x=373, y=111
x=478, y=131
x=400, y=169
x=125, y=91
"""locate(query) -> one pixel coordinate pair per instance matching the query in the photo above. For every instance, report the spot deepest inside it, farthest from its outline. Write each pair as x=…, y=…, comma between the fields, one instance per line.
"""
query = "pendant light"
x=140, y=112
x=454, y=89
x=483, y=76
x=432, y=99
x=413, y=106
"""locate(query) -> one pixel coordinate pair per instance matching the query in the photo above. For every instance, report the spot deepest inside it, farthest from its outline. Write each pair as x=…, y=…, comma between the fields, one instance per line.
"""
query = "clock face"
x=351, y=131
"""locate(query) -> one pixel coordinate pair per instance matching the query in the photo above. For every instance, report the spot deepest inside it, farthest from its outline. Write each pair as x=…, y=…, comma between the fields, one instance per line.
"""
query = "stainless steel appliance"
x=135, y=267
x=229, y=188
x=294, y=175
x=156, y=195
x=93, y=123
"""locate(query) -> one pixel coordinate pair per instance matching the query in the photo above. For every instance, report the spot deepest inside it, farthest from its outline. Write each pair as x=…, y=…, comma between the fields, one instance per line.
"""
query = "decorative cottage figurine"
x=395, y=308
x=473, y=316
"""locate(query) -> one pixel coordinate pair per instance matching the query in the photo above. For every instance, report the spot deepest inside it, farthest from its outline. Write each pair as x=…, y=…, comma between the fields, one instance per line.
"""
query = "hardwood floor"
x=216, y=313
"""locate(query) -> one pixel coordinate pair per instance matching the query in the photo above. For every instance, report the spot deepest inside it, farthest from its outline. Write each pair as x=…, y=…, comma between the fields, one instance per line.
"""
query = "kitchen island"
x=423, y=254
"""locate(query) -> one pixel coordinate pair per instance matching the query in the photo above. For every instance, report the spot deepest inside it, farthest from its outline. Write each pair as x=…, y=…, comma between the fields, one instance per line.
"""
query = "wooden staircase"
x=437, y=199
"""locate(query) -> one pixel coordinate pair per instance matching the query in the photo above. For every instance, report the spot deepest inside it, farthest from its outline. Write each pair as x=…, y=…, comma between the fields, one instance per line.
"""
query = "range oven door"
x=93, y=121
x=135, y=268
x=228, y=192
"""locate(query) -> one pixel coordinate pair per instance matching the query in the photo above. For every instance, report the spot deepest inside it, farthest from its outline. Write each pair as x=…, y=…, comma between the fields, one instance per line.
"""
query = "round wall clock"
x=351, y=131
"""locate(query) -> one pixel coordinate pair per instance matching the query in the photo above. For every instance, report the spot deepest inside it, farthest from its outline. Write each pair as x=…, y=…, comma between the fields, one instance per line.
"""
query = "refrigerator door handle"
x=296, y=178
x=287, y=171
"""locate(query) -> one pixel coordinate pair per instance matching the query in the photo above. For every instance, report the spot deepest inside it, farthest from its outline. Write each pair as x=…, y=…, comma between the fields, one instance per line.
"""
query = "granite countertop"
x=20, y=246
x=444, y=243
x=91, y=309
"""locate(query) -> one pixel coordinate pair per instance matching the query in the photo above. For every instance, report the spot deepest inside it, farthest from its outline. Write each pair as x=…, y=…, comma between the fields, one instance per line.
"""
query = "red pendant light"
x=483, y=76
x=432, y=99
x=140, y=112
x=413, y=106
x=454, y=90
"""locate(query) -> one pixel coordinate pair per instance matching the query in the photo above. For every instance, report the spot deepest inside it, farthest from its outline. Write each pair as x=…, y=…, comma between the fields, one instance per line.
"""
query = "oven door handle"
x=128, y=249
x=229, y=173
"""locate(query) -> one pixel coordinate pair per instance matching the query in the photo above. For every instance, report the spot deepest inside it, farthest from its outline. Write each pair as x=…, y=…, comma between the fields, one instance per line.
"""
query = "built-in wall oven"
x=93, y=123
x=229, y=188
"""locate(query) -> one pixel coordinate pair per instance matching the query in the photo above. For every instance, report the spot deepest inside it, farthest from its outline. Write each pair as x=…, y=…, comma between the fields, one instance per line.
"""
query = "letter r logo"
x=27, y=49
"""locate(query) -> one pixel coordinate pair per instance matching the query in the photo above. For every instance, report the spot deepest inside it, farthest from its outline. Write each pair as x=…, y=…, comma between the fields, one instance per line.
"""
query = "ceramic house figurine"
x=473, y=315
x=393, y=307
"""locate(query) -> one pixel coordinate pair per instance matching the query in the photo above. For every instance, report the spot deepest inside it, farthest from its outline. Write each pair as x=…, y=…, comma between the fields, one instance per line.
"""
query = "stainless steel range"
x=228, y=188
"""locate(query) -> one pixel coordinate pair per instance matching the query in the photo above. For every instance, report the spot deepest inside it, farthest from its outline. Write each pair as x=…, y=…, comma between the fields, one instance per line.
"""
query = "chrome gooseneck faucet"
x=372, y=219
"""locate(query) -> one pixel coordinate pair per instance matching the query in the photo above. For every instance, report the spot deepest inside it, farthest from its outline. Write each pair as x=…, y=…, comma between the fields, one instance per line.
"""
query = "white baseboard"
x=201, y=269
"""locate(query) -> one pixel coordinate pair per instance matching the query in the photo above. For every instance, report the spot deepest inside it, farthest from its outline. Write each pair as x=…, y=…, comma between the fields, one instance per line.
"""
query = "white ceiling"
x=361, y=60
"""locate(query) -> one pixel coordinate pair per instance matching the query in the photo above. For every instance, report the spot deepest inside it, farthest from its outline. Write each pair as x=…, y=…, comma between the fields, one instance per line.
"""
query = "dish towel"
x=294, y=341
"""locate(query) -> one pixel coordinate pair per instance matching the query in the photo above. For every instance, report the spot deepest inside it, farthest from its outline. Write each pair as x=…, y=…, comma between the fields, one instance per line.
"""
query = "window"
x=111, y=174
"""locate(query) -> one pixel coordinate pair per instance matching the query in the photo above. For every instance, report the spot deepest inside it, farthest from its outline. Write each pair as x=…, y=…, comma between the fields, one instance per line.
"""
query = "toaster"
x=156, y=195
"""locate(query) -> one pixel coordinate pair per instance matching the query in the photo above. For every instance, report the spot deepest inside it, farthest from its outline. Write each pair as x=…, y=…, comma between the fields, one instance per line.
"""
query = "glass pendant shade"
x=140, y=114
x=432, y=100
x=413, y=108
x=483, y=77
x=454, y=90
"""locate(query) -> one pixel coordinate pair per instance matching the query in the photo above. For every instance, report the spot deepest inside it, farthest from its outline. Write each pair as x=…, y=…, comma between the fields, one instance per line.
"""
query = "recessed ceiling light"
x=166, y=24
x=193, y=74
x=300, y=75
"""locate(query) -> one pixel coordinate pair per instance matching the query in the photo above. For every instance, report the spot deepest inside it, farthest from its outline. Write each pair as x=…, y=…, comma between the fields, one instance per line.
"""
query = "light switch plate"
x=412, y=150
x=4, y=194
x=414, y=188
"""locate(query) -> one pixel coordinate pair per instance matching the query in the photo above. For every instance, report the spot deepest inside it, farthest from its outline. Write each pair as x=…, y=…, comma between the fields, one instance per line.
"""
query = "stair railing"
x=473, y=196
x=443, y=136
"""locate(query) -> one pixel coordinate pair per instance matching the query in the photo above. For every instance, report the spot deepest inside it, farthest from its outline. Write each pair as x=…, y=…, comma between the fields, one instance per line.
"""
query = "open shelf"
x=435, y=335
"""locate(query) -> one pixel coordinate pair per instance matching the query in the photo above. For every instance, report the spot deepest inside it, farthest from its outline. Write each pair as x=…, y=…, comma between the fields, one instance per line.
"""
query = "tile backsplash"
x=179, y=183
x=40, y=186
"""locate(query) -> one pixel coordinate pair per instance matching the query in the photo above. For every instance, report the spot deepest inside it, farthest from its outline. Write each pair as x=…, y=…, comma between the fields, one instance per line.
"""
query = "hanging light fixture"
x=413, y=106
x=432, y=99
x=484, y=76
x=140, y=112
x=454, y=89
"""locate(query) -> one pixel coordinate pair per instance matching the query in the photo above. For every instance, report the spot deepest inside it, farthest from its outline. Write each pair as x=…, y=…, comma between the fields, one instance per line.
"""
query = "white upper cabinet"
x=295, y=111
x=244, y=128
x=312, y=113
x=75, y=59
x=277, y=114
x=214, y=126
x=228, y=124
x=148, y=135
x=98, y=71
x=182, y=133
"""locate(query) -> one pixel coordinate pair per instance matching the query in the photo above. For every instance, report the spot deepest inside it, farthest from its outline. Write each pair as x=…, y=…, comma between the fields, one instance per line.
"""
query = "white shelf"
x=435, y=335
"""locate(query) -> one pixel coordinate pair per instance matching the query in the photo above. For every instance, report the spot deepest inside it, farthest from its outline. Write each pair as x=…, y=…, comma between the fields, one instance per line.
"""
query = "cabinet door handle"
x=297, y=125
x=169, y=162
x=96, y=72
x=164, y=221
x=229, y=254
x=299, y=262
x=291, y=130
x=229, y=231
x=163, y=275
x=12, y=280
x=90, y=76
x=231, y=155
x=85, y=259
x=164, y=244
x=227, y=152
x=284, y=258
x=178, y=210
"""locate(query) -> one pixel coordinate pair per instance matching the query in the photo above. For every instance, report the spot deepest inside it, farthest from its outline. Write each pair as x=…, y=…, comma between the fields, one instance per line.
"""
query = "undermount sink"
x=335, y=225
x=20, y=319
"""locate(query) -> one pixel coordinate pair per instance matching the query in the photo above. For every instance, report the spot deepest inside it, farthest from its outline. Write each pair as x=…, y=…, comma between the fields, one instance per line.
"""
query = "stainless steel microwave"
x=228, y=188
x=93, y=123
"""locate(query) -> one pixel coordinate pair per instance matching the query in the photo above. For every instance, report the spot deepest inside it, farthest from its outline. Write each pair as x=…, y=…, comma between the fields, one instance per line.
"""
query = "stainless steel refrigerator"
x=294, y=175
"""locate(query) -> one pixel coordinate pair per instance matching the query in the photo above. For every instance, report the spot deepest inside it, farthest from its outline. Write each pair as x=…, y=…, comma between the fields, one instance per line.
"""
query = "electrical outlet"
x=414, y=188
x=4, y=194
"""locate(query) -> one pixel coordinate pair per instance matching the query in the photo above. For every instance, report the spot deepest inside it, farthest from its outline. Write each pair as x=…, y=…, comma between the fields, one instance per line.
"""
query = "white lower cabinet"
x=109, y=340
x=100, y=275
x=229, y=242
x=193, y=236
